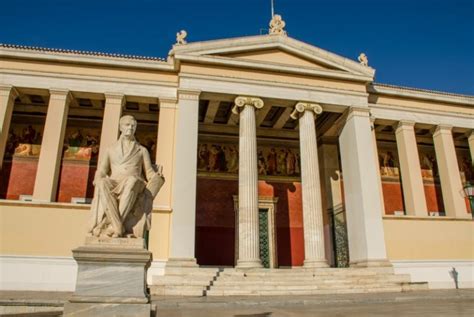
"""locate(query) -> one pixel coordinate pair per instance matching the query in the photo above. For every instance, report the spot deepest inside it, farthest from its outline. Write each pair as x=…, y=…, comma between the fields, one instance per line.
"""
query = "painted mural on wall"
x=388, y=160
x=24, y=140
x=81, y=144
x=272, y=161
x=429, y=167
x=465, y=165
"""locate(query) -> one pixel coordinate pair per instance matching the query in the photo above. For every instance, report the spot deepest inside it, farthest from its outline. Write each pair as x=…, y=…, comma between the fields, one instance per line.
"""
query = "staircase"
x=269, y=282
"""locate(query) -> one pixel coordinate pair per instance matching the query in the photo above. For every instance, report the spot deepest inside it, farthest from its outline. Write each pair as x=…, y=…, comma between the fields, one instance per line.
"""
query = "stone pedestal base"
x=249, y=264
x=111, y=278
x=315, y=264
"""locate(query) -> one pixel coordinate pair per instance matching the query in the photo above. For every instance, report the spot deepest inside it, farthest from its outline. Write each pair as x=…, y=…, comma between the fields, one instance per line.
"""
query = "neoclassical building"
x=277, y=154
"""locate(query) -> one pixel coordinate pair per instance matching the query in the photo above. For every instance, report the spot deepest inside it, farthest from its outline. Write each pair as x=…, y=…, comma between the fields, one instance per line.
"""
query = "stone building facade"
x=276, y=154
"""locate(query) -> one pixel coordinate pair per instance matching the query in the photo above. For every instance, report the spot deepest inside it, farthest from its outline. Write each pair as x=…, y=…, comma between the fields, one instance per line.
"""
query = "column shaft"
x=412, y=181
x=165, y=150
x=110, y=124
x=311, y=191
x=7, y=100
x=183, y=222
x=46, y=182
x=361, y=192
x=249, y=246
x=451, y=184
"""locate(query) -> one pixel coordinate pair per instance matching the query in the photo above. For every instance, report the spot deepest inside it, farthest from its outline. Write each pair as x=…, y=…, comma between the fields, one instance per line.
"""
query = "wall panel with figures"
x=217, y=183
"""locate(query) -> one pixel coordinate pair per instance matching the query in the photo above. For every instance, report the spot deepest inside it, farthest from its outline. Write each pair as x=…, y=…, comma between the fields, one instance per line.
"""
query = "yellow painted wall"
x=89, y=70
x=253, y=74
x=430, y=239
x=45, y=230
x=421, y=104
x=278, y=57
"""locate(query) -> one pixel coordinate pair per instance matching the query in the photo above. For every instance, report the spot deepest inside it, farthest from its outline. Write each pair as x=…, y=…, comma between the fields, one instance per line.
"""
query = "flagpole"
x=273, y=13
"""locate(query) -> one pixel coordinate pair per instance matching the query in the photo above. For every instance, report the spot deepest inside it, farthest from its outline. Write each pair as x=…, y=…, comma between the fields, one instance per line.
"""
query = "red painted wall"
x=215, y=221
x=18, y=177
x=434, y=197
x=392, y=197
x=75, y=180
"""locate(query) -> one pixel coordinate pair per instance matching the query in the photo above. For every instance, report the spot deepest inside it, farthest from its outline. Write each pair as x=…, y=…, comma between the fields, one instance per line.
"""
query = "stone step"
x=220, y=282
x=303, y=286
x=415, y=286
x=243, y=292
x=179, y=279
x=177, y=290
x=191, y=271
x=288, y=279
x=297, y=272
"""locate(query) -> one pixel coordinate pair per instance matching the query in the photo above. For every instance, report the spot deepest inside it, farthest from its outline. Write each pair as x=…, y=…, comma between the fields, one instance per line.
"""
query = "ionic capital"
x=241, y=102
x=301, y=107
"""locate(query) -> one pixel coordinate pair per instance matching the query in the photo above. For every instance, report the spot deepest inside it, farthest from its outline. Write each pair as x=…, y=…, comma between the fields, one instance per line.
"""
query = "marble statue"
x=277, y=25
x=126, y=183
x=181, y=37
x=363, y=60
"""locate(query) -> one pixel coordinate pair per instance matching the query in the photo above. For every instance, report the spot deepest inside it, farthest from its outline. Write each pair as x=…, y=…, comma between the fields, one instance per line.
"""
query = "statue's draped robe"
x=125, y=186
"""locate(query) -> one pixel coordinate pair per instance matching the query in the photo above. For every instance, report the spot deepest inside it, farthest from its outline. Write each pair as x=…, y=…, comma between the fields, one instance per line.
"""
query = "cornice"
x=420, y=94
x=82, y=57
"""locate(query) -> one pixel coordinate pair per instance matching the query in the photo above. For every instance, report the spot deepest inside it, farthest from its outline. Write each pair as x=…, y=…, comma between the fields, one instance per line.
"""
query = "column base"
x=182, y=262
x=315, y=264
x=249, y=264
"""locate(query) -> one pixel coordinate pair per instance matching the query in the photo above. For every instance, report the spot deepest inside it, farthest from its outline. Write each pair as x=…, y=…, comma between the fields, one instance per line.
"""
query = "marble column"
x=165, y=150
x=450, y=177
x=412, y=181
x=7, y=100
x=376, y=156
x=249, y=246
x=183, y=222
x=110, y=124
x=361, y=191
x=49, y=163
x=311, y=186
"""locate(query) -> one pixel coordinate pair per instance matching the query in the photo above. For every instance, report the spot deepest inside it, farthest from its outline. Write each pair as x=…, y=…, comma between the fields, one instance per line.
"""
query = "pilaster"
x=451, y=184
x=114, y=104
x=183, y=222
x=471, y=146
x=412, y=181
x=249, y=247
x=361, y=191
x=7, y=100
x=376, y=156
x=46, y=182
x=311, y=187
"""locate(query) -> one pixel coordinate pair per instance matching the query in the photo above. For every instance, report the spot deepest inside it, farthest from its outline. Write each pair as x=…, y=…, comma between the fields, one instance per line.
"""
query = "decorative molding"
x=301, y=107
x=188, y=94
x=242, y=101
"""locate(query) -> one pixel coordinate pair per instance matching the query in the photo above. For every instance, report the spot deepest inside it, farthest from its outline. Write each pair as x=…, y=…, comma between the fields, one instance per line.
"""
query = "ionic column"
x=361, y=191
x=46, y=182
x=311, y=187
x=412, y=181
x=110, y=124
x=249, y=247
x=451, y=184
x=183, y=222
x=7, y=100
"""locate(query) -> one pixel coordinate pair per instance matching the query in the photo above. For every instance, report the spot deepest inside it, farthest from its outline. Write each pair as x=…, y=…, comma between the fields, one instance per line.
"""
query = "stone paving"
x=457, y=303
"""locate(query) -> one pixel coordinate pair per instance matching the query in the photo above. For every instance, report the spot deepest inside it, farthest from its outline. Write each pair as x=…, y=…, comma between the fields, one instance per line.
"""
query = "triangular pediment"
x=277, y=52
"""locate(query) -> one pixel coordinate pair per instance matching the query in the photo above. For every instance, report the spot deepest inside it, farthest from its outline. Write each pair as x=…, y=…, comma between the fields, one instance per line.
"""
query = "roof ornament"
x=181, y=37
x=363, y=60
x=277, y=25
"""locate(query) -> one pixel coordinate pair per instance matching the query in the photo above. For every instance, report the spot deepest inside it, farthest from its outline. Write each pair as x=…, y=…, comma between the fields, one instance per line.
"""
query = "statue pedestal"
x=111, y=278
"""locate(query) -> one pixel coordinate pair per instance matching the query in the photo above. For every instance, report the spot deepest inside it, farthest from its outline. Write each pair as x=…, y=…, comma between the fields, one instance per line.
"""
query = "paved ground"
x=455, y=303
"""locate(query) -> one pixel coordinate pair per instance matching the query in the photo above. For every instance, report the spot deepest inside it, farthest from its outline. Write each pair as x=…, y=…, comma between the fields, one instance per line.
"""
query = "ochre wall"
x=429, y=239
x=215, y=221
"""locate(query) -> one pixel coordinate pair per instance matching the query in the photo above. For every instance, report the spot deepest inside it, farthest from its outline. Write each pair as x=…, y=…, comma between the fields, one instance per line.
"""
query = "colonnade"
x=177, y=147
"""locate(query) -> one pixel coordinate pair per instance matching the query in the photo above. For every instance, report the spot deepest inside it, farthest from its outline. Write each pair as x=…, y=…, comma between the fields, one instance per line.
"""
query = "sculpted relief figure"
x=126, y=183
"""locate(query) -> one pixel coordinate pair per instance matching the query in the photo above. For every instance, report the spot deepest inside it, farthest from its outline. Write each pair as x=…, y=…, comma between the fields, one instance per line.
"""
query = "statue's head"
x=128, y=125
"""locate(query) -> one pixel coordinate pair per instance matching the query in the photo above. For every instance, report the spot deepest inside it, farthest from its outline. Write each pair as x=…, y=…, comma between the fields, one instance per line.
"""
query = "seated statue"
x=126, y=183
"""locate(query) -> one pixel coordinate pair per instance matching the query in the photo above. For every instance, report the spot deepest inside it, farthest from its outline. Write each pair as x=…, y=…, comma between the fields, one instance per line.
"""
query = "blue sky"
x=418, y=43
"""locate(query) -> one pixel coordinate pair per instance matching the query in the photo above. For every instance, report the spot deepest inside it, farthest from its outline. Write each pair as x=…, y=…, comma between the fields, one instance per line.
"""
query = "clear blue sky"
x=417, y=43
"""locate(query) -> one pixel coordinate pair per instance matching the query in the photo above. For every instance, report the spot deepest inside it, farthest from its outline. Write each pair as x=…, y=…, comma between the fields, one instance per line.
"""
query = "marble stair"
x=268, y=282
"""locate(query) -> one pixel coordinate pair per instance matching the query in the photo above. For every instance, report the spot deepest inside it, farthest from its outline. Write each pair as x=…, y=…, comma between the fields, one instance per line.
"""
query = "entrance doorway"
x=267, y=230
